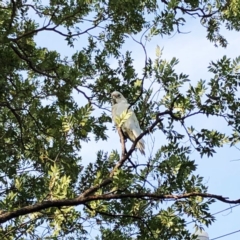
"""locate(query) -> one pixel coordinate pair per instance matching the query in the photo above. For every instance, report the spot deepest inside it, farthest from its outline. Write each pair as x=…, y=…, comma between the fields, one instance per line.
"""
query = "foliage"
x=120, y=120
x=43, y=126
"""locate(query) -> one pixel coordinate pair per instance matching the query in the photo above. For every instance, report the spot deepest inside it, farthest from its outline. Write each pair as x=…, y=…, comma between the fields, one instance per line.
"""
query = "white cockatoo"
x=130, y=127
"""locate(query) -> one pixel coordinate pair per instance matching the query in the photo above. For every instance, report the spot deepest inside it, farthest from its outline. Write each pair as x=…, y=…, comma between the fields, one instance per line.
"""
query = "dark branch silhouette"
x=85, y=199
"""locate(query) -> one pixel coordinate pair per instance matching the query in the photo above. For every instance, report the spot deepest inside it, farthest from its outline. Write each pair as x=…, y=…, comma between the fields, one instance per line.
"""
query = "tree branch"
x=145, y=67
x=194, y=11
x=17, y=117
x=83, y=200
x=13, y=14
x=30, y=64
x=54, y=29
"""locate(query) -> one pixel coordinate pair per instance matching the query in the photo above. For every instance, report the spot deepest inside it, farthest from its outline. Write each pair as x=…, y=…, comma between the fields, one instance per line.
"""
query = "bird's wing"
x=132, y=124
x=133, y=130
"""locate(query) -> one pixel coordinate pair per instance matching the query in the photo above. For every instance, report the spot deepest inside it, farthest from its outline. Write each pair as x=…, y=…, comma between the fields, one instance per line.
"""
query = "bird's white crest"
x=130, y=126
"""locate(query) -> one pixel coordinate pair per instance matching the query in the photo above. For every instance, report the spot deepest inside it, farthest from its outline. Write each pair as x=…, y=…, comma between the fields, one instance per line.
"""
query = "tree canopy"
x=49, y=189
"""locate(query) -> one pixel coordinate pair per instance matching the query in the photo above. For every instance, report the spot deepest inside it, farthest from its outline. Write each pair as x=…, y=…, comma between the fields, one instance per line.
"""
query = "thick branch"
x=82, y=200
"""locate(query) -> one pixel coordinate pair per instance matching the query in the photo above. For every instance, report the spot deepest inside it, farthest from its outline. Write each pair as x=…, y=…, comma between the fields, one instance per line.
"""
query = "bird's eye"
x=119, y=95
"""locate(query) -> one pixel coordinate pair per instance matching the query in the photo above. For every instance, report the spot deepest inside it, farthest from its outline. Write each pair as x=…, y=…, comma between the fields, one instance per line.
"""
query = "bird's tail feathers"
x=141, y=146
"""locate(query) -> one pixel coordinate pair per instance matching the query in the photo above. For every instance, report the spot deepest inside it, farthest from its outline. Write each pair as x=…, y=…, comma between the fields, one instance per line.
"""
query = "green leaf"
x=125, y=115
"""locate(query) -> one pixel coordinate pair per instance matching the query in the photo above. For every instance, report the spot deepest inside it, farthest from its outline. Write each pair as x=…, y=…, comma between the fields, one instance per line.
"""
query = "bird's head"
x=117, y=97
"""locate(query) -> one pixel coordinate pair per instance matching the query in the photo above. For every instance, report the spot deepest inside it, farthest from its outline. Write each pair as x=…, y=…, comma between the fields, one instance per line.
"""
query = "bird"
x=130, y=127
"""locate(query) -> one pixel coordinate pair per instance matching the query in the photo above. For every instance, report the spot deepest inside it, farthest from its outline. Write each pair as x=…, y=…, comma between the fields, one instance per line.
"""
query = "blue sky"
x=194, y=52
